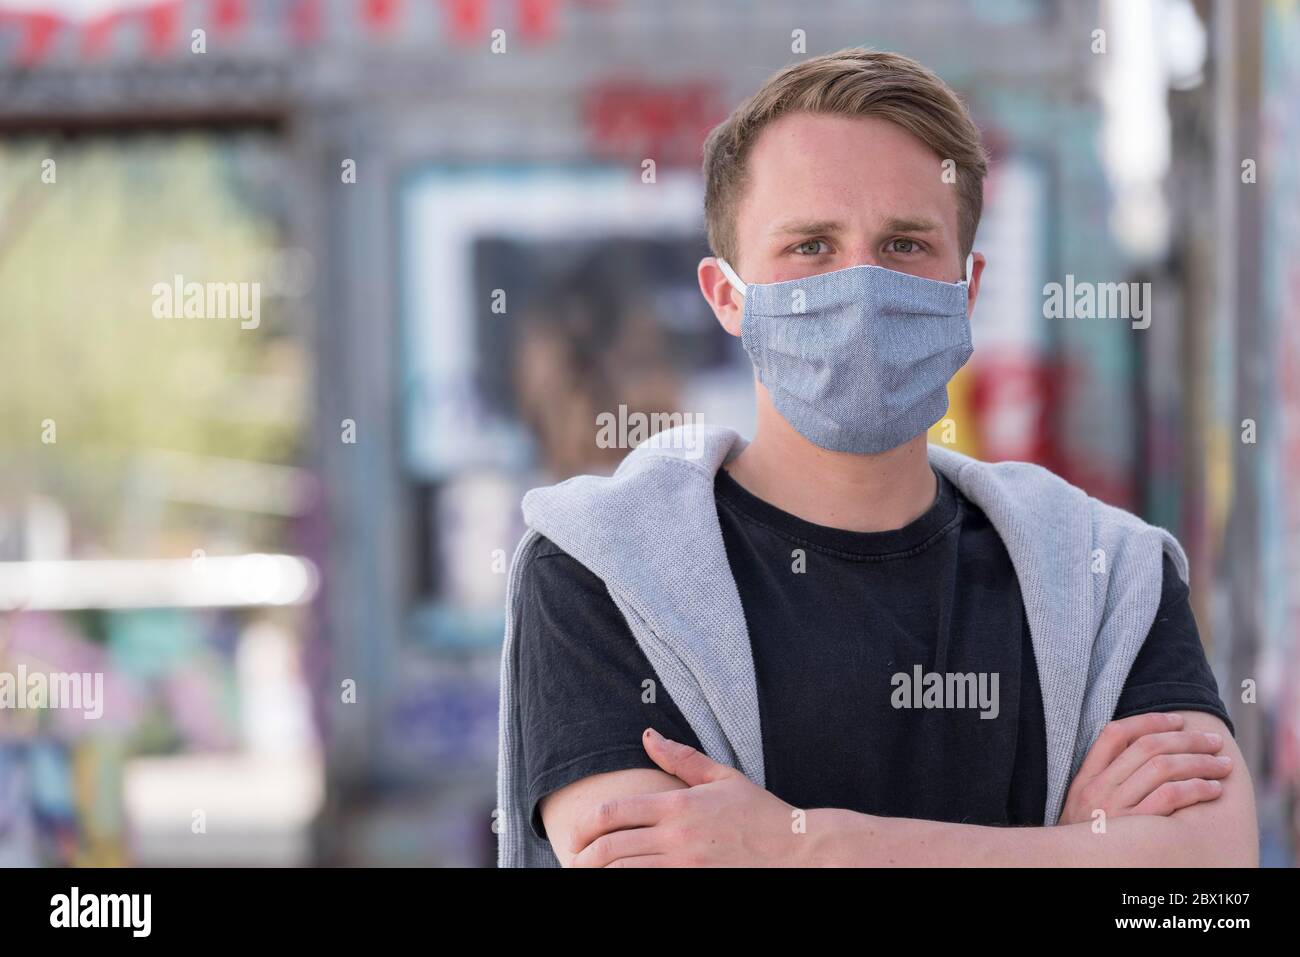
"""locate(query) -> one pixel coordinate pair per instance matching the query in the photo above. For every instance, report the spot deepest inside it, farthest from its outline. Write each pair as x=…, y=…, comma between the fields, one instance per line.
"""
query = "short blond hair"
x=851, y=82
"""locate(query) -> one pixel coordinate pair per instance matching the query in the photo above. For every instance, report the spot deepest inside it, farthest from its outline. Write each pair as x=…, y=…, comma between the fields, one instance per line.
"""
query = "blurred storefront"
x=499, y=207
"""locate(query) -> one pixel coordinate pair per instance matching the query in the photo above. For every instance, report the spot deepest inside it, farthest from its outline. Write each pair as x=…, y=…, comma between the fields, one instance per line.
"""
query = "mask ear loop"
x=732, y=278
x=970, y=265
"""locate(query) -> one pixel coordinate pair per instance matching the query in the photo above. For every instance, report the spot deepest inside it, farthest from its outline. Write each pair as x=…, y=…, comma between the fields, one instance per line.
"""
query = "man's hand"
x=720, y=819
x=1146, y=765
x=1219, y=833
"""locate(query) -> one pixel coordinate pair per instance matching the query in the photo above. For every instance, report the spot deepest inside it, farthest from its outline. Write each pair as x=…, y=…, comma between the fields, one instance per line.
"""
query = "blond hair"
x=851, y=82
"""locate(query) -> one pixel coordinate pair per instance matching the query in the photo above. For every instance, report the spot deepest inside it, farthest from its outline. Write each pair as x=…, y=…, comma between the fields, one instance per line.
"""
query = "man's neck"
x=858, y=493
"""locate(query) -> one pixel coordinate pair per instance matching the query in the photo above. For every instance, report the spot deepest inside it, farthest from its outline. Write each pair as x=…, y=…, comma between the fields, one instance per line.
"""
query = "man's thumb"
x=681, y=760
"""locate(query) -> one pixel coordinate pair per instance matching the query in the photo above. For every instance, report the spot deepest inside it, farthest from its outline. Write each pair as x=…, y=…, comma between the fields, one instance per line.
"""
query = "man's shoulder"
x=545, y=548
x=1007, y=484
x=545, y=563
x=1020, y=478
x=1041, y=497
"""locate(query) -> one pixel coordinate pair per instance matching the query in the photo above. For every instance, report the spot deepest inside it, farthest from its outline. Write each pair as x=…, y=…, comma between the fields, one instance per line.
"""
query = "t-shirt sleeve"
x=1171, y=672
x=582, y=681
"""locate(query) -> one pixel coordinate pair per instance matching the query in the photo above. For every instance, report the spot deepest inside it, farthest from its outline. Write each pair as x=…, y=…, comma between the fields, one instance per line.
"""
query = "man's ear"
x=973, y=282
x=727, y=304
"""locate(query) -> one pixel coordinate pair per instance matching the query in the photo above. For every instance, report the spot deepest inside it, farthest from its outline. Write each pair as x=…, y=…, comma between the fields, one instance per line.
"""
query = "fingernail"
x=1224, y=760
x=1213, y=738
x=1175, y=718
x=1215, y=786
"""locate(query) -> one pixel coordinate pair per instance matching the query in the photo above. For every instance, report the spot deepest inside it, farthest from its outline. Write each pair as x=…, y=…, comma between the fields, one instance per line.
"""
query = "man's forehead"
x=835, y=182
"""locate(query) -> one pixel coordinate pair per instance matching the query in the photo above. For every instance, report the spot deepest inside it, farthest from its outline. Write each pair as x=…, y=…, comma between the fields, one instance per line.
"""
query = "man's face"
x=829, y=192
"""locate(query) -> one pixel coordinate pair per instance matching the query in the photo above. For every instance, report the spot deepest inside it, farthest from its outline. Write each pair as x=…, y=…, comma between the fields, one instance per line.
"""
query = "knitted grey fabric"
x=1089, y=573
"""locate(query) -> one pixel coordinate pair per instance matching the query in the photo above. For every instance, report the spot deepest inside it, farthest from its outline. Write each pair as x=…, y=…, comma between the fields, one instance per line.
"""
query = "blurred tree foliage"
x=80, y=346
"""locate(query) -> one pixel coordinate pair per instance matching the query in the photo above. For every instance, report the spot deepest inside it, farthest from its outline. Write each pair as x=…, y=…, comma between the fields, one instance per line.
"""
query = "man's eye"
x=803, y=247
x=911, y=246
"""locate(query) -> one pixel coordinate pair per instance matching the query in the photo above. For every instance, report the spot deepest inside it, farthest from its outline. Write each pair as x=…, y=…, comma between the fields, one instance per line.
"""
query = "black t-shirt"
x=842, y=625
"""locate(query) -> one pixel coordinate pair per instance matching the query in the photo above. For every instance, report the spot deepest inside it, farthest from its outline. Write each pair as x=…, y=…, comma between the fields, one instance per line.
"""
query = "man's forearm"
x=843, y=838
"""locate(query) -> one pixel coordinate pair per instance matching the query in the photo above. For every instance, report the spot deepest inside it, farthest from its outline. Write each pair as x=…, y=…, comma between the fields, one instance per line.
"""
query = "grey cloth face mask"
x=857, y=359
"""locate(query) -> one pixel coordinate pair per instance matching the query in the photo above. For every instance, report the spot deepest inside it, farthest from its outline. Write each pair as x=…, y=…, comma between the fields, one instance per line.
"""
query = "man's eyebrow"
x=802, y=227
x=916, y=225
x=895, y=224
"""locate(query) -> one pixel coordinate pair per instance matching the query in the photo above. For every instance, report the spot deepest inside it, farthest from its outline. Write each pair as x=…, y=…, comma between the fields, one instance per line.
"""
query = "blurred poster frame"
x=444, y=210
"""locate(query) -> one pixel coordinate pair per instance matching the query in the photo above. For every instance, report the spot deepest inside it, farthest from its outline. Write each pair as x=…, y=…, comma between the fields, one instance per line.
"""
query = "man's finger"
x=1173, y=795
x=645, y=860
x=1166, y=768
x=683, y=761
x=632, y=842
x=1118, y=735
x=1148, y=746
x=616, y=813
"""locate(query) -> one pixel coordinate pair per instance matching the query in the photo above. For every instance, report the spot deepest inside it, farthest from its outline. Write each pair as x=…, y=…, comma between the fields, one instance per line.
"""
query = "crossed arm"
x=697, y=812
x=1220, y=832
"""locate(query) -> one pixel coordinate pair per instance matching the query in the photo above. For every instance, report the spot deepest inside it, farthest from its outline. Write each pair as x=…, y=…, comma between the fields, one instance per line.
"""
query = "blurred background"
x=472, y=226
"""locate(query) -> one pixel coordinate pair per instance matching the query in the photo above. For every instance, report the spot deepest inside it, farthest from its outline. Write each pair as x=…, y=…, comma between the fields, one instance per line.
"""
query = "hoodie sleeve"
x=586, y=689
x=1171, y=672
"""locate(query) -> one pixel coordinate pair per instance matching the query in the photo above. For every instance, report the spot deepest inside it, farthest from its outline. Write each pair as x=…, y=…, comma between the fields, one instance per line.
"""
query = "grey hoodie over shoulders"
x=1090, y=577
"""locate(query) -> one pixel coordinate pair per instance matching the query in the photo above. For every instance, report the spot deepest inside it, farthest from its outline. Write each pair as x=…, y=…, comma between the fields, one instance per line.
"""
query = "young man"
x=859, y=649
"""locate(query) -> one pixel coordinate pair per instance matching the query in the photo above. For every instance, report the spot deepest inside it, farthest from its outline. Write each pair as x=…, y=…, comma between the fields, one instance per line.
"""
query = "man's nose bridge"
x=864, y=256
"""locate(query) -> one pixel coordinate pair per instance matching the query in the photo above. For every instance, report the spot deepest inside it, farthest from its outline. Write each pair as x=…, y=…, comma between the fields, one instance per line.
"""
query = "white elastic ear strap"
x=731, y=276
x=970, y=264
